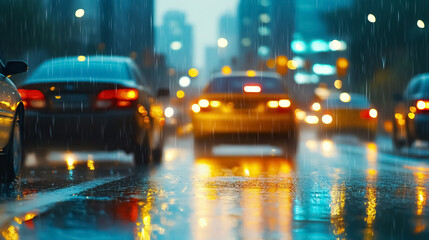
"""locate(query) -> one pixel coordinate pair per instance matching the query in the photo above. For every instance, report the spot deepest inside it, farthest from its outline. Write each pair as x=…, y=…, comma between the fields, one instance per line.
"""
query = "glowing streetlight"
x=193, y=72
x=226, y=70
x=371, y=18
x=176, y=45
x=420, y=24
x=222, y=42
x=184, y=81
x=79, y=13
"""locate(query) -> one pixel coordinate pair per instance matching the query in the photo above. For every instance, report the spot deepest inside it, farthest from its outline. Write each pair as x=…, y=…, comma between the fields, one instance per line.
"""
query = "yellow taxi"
x=346, y=113
x=245, y=107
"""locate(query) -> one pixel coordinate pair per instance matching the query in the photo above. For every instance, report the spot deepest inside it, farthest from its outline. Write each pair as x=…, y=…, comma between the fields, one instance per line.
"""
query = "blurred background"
x=380, y=45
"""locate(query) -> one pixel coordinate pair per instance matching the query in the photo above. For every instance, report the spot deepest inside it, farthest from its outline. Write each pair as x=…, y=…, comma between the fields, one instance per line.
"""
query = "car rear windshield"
x=79, y=70
x=236, y=85
x=356, y=101
x=425, y=87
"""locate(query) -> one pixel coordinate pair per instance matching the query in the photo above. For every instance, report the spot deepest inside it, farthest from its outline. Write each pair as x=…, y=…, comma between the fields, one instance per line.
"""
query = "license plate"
x=71, y=101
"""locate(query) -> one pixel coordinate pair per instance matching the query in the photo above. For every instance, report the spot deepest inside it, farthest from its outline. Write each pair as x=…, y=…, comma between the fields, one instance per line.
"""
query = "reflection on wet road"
x=336, y=188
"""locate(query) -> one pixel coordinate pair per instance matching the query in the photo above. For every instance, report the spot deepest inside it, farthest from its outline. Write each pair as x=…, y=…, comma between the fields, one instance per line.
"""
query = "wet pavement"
x=339, y=188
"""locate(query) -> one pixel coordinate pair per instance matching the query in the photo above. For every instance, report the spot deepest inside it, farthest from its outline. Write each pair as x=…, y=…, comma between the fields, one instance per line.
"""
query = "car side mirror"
x=397, y=97
x=15, y=67
x=163, y=92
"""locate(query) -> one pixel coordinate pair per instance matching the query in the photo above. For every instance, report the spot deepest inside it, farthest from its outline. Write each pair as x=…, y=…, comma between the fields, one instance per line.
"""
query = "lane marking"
x=42, y=201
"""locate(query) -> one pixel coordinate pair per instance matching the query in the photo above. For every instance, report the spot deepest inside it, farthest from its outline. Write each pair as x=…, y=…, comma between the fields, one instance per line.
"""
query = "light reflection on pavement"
x=336, y=188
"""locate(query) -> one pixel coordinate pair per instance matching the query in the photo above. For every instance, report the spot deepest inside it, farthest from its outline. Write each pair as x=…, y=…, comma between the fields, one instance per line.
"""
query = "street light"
x=222, y=42
x=184, y=81
x=371, y=18
x=420, y=24
x=79, y=13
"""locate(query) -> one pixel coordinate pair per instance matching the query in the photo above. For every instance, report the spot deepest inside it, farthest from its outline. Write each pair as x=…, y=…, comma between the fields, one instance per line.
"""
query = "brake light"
x=327, y=119
x=120, y=94
x=282, y=103
x=273, y=104
x=196, y=108
x=32, y=98
x=252, y=88
x=204, y=103
x=372, y=113
x=214, y=104
x=422, y=105
x=116, y=97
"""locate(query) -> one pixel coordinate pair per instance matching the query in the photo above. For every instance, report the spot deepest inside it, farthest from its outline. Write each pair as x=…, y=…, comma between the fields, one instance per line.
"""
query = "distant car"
x=11, y=122
x=92, y=103
x=245, y=107
x=411, y=119
x=348, y=113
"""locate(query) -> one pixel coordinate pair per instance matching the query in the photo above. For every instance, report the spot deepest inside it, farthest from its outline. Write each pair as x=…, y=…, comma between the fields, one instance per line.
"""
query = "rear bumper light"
x=32, y=98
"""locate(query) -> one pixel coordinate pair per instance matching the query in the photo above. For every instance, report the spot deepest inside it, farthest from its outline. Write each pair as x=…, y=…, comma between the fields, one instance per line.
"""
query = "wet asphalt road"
x=338, y=188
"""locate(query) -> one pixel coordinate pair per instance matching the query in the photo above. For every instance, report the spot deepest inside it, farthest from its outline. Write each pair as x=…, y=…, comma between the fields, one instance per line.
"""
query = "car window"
x=91, y=70
x=236, y=84
x=413, y=87
x=424, y=89
x=356, y=101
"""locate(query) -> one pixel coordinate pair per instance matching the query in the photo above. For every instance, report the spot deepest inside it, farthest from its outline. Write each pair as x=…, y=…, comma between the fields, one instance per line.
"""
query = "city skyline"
x=205, y=20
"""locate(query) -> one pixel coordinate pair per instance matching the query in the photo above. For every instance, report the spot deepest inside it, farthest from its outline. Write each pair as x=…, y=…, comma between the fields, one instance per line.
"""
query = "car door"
x=9, y=97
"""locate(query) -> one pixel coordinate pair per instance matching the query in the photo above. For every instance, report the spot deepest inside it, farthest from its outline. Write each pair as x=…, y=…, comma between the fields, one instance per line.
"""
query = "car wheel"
x=409, y=138
x=12, y=159
x=398, y=143
x=142, y=153
x=290, y=145
x=157, y=154
x=202, y=147
x=41, y=157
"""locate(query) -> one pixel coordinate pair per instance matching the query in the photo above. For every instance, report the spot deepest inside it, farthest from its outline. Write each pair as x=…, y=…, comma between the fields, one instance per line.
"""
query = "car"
x=92, y=103
x=245, y=107
x=411, y=118
x=346, y=113
x=11, y=122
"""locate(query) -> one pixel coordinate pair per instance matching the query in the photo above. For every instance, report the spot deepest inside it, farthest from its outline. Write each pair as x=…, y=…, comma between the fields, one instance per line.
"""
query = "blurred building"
x=314, y=48
x=119, y=27
x=225, y=53
x=266, y=29
x=174, y=39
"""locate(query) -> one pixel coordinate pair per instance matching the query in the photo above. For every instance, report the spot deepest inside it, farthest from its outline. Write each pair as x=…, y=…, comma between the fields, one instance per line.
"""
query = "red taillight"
x=32, y=98
x=368, y=114
x=252, y=88
x=422, y=105
x=282, y=105
x=116, y=97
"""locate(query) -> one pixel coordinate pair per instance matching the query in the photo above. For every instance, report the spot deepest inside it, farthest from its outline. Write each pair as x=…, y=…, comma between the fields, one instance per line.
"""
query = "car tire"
x=41, y=157
x=12, y=160
x=202, y=147
x=157, y=154
x=290, y=145
x=142, y=153
x=397, y=142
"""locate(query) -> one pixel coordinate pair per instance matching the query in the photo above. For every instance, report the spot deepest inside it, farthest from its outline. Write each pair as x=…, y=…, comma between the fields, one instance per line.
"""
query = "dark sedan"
x=11, y=122
x=411, y=120
x=90, y=103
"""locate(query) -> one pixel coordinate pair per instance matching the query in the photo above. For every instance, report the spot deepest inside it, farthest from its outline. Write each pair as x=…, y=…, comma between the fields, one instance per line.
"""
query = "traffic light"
x=342, y=67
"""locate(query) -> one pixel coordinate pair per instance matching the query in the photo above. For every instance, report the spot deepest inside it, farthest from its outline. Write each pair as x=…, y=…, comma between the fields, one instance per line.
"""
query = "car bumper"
x=210, y=124
x=107, y=130
x=368, y=125
x=420, y=126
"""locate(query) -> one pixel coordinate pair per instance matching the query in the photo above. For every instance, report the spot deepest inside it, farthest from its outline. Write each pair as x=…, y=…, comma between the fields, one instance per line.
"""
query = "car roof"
x=102, y=58
x=245, y=74
x=423, y=76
